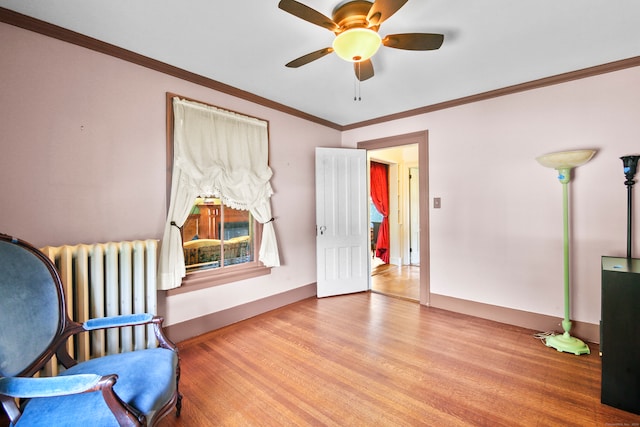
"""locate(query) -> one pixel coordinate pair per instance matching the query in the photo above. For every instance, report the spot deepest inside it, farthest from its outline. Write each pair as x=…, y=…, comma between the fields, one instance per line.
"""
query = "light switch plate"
x=436, y=203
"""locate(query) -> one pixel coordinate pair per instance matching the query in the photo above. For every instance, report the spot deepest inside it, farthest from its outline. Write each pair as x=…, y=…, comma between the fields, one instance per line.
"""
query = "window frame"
x=201, y=279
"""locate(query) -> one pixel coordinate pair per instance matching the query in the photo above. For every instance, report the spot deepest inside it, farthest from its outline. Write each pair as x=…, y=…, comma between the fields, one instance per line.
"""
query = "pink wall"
x=498, y=237
x=83, y=160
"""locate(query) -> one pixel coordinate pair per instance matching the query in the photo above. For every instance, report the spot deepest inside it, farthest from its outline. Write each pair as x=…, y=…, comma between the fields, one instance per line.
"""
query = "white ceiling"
x=489, y=44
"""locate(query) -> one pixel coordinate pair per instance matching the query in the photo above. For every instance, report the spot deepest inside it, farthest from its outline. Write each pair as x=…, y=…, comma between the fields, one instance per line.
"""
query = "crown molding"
x=32, y=24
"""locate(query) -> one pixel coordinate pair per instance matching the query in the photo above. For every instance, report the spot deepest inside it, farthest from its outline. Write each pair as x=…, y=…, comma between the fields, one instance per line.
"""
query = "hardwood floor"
x=398, y=281
x=370, y=360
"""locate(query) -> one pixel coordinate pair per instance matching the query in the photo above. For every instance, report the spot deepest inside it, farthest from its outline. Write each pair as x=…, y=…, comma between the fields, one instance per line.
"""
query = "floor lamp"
x=563, y=162
x=630, y=166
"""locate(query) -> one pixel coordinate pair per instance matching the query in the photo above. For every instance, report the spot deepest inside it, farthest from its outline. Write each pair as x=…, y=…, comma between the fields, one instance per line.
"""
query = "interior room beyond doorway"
x=398, y=276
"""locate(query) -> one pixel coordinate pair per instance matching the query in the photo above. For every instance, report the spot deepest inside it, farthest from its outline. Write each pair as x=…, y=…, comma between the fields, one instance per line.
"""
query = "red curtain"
x=380, y=198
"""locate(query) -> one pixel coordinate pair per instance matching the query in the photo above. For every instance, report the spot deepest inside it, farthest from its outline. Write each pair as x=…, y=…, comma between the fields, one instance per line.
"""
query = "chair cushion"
x=146, y=381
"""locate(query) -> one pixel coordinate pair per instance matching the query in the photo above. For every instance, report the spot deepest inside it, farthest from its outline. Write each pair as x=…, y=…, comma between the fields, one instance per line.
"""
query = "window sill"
x=209, y=278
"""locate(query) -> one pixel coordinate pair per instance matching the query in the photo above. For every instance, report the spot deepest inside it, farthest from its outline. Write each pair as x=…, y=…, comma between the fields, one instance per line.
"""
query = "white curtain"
x=222, y=154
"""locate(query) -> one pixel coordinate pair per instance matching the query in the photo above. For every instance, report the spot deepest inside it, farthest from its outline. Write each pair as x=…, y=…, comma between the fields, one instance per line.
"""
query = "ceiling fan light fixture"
x=357, y=44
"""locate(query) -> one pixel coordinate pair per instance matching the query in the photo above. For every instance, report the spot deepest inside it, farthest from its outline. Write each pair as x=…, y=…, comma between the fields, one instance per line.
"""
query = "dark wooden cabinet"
x=620, y=333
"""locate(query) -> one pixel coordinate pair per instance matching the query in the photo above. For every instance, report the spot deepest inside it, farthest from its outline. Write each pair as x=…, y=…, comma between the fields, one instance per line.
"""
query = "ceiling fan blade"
x=309, y=57
x=308, y=14
x=381, y=10
x=414, y=41
x=363, y=70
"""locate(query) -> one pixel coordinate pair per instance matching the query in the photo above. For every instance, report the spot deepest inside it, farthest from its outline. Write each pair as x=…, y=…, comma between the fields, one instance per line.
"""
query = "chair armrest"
x=27, y=388
x=117, y=321
x=131, y=320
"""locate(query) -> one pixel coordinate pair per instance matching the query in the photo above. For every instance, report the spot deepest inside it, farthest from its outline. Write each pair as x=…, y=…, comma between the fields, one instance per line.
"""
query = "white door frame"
x=414, y=213
x=422, y=139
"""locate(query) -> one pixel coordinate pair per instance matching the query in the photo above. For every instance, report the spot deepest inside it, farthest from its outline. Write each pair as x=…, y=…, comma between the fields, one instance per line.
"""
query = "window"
x=229, y=234
x=215, y=236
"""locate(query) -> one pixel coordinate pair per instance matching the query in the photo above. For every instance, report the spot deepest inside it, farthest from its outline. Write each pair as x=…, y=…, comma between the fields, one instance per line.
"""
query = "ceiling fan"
x=355, y=24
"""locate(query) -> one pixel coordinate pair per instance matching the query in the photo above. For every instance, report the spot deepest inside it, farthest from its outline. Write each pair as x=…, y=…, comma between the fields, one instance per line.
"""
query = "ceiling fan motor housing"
x=352, y=14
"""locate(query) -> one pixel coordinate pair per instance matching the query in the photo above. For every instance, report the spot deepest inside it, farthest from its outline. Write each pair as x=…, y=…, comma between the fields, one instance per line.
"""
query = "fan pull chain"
x=357, y=91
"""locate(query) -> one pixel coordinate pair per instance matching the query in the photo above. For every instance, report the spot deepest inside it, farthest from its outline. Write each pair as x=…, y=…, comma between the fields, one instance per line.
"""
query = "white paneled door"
x=342, y=228
x=414, y=216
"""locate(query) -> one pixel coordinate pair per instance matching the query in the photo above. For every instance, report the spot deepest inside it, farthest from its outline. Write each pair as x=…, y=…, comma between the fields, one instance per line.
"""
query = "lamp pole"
x=563, y=162
x=566, y=342
x=564, y=176
x=630, y=164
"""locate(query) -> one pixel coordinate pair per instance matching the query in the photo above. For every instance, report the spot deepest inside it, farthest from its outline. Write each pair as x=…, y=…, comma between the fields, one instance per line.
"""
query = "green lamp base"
x=568, y=344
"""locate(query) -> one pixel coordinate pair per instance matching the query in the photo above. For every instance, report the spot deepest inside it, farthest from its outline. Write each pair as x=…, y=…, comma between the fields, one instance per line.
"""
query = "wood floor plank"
x=400, y=281
x=371, y=360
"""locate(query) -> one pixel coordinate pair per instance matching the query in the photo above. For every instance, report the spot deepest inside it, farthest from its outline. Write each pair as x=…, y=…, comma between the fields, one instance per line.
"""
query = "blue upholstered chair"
x=127, y=389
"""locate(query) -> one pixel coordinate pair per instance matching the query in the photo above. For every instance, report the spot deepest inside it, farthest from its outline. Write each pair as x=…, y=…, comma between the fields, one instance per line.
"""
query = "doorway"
x=409, y=229
x=393, y=271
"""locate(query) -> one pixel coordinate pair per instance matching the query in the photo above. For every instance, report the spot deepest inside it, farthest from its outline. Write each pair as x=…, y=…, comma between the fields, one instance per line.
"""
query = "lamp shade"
x=566, y=159
x=356, y=44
